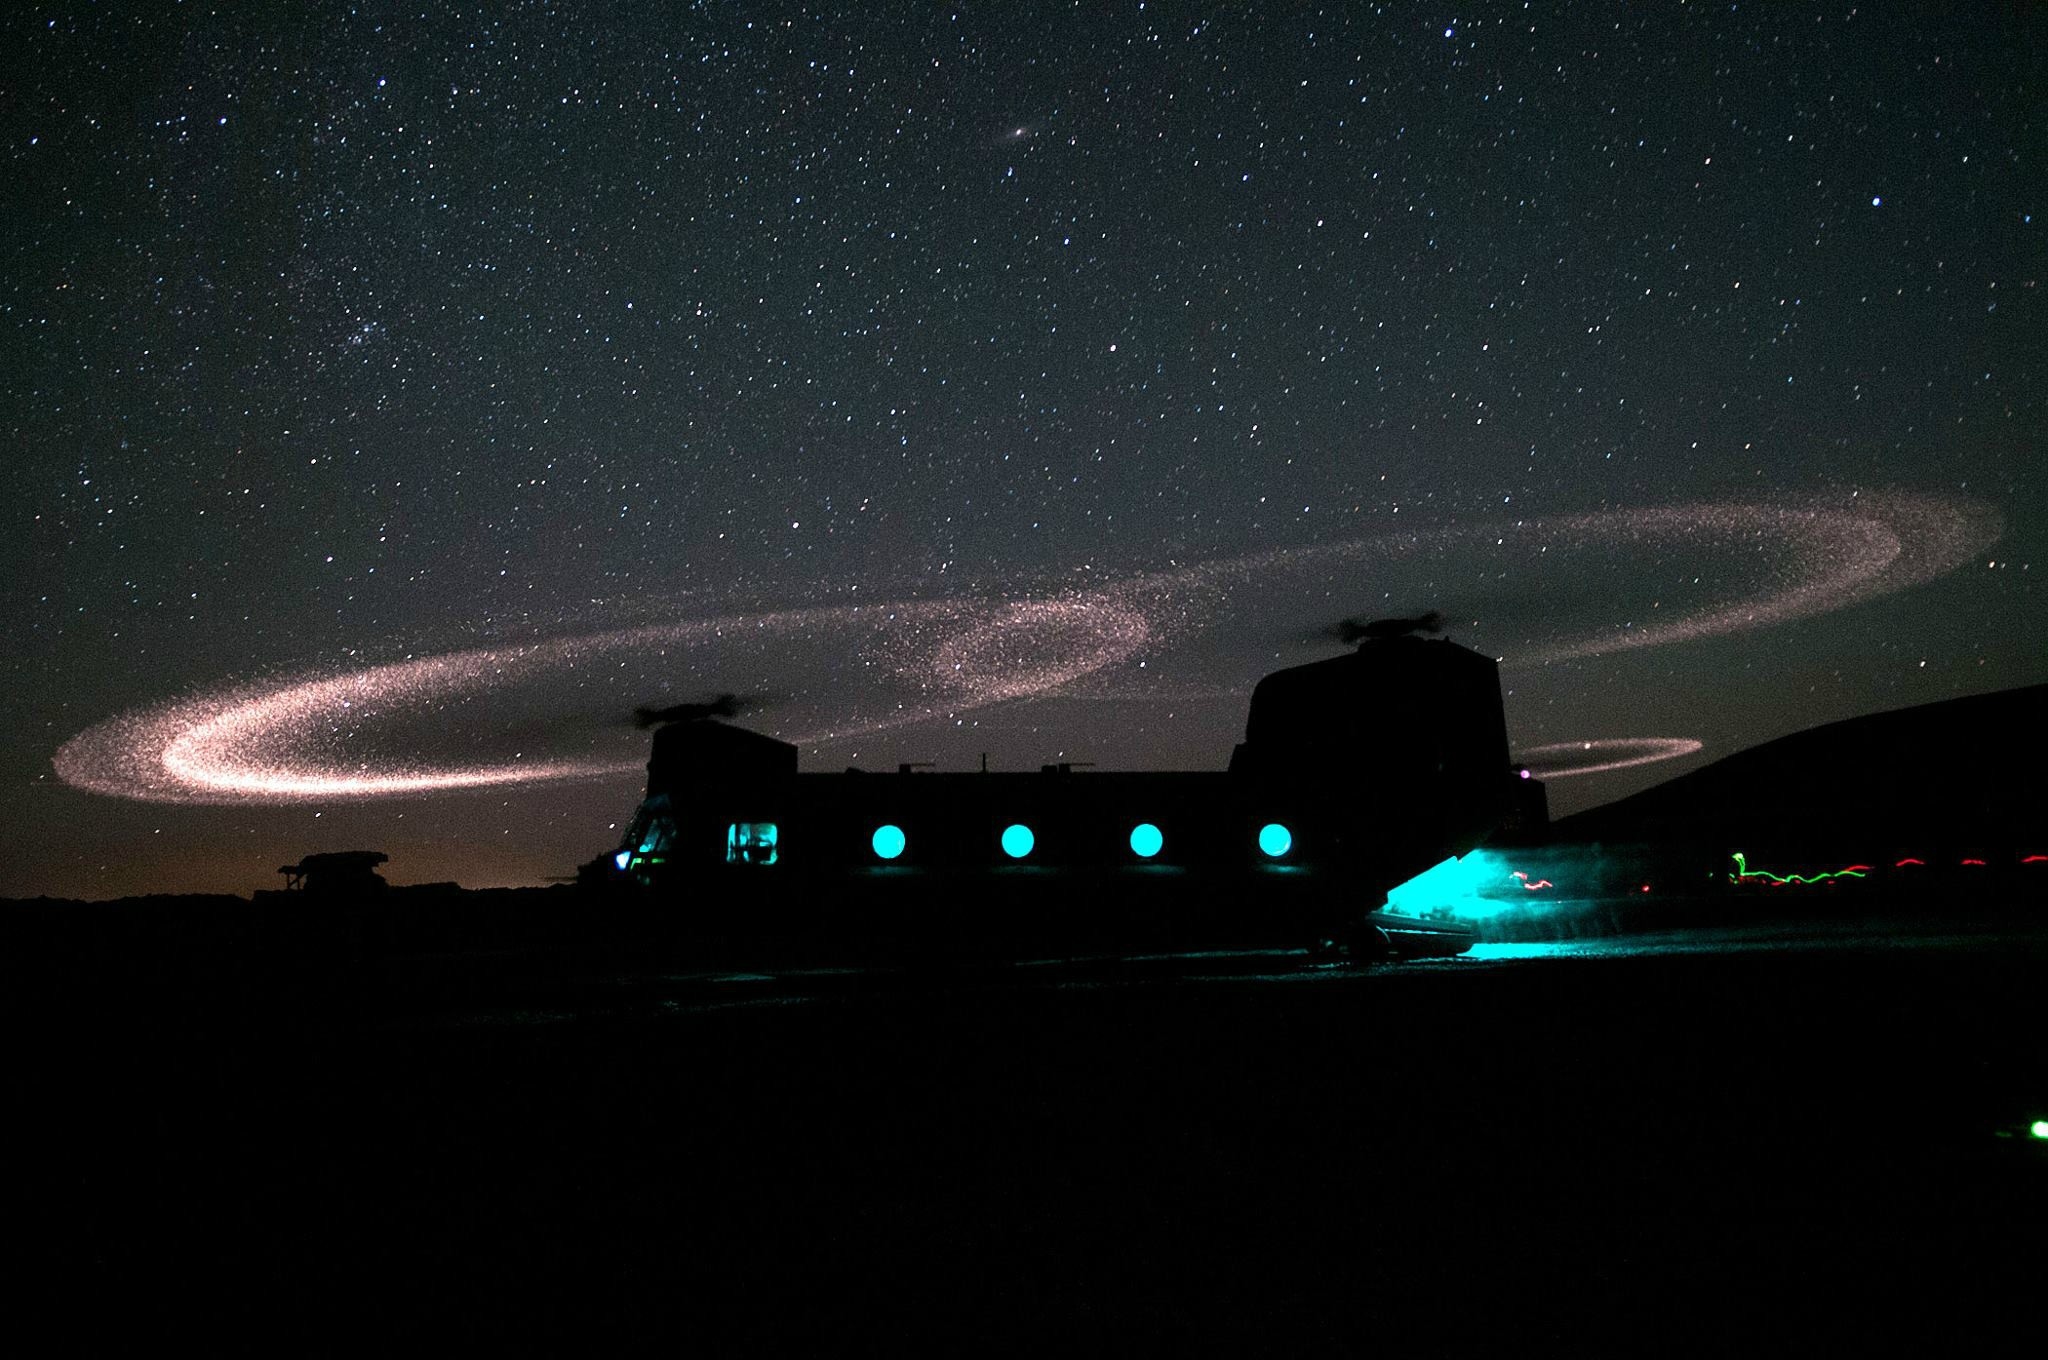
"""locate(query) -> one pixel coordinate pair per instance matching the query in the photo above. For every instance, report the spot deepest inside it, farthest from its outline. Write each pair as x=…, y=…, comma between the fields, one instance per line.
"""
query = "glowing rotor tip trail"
x=276, y=744
x=1600, y=755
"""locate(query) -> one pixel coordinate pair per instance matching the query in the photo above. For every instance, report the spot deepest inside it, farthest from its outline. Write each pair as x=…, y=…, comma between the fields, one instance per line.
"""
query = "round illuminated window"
x=1018, y=840
x=1146, y=840
x=888, y=841
x=1275, y=840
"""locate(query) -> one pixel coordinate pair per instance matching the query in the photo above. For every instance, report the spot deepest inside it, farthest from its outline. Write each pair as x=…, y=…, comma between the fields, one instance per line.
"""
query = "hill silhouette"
x=1966, y=769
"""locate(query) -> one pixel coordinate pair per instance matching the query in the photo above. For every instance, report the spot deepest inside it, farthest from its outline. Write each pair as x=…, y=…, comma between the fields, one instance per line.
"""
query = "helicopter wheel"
x=1369, y=944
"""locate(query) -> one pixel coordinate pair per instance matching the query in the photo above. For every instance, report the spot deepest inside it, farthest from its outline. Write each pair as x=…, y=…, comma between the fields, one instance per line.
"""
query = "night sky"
x=395, y=397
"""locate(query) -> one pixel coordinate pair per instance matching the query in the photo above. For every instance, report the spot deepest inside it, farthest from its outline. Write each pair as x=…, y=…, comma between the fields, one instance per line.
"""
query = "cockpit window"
x=750, y=843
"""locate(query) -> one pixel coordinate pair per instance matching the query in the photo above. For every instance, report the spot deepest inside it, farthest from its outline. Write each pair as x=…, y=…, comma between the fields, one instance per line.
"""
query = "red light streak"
x=1532, y=887
x=1908, y=860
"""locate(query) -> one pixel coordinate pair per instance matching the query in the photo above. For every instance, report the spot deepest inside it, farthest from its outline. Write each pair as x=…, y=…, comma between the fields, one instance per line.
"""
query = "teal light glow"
x=1018, y=840
x=1146, y=840
x=1448, y=888
x=888, y=841
x=1275, y=840
x=623, y=858
x=1476, y=887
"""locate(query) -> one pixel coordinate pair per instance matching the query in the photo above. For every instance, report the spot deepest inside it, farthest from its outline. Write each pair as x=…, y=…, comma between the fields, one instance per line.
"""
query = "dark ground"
x=1767, y=1137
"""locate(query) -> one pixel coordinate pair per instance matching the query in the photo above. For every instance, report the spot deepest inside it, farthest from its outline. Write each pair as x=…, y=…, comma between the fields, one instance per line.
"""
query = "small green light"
x=1018, y=840
x=1146, y=840
x=2039, y=1128
x=888, y=841
x=1275, y=840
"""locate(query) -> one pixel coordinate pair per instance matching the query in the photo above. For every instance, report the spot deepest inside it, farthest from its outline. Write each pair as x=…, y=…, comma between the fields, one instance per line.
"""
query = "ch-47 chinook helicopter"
x=1356, y=774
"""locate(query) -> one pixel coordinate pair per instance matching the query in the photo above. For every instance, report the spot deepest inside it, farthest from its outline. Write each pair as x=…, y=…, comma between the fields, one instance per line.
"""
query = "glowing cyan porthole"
x=888, y=841
x=1275, y=840
x=1018, y=840
x=1146, y=840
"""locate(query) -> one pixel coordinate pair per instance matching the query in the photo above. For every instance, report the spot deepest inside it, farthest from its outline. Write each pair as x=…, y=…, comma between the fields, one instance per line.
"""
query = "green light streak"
x=1744, y=874
x=2039, y=1129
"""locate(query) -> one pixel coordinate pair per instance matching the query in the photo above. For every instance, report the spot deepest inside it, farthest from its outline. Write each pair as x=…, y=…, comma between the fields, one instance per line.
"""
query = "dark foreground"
x=1763, y=1136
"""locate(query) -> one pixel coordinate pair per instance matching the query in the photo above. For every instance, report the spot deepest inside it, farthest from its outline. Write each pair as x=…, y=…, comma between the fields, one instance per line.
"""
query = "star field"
x=355, y=336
